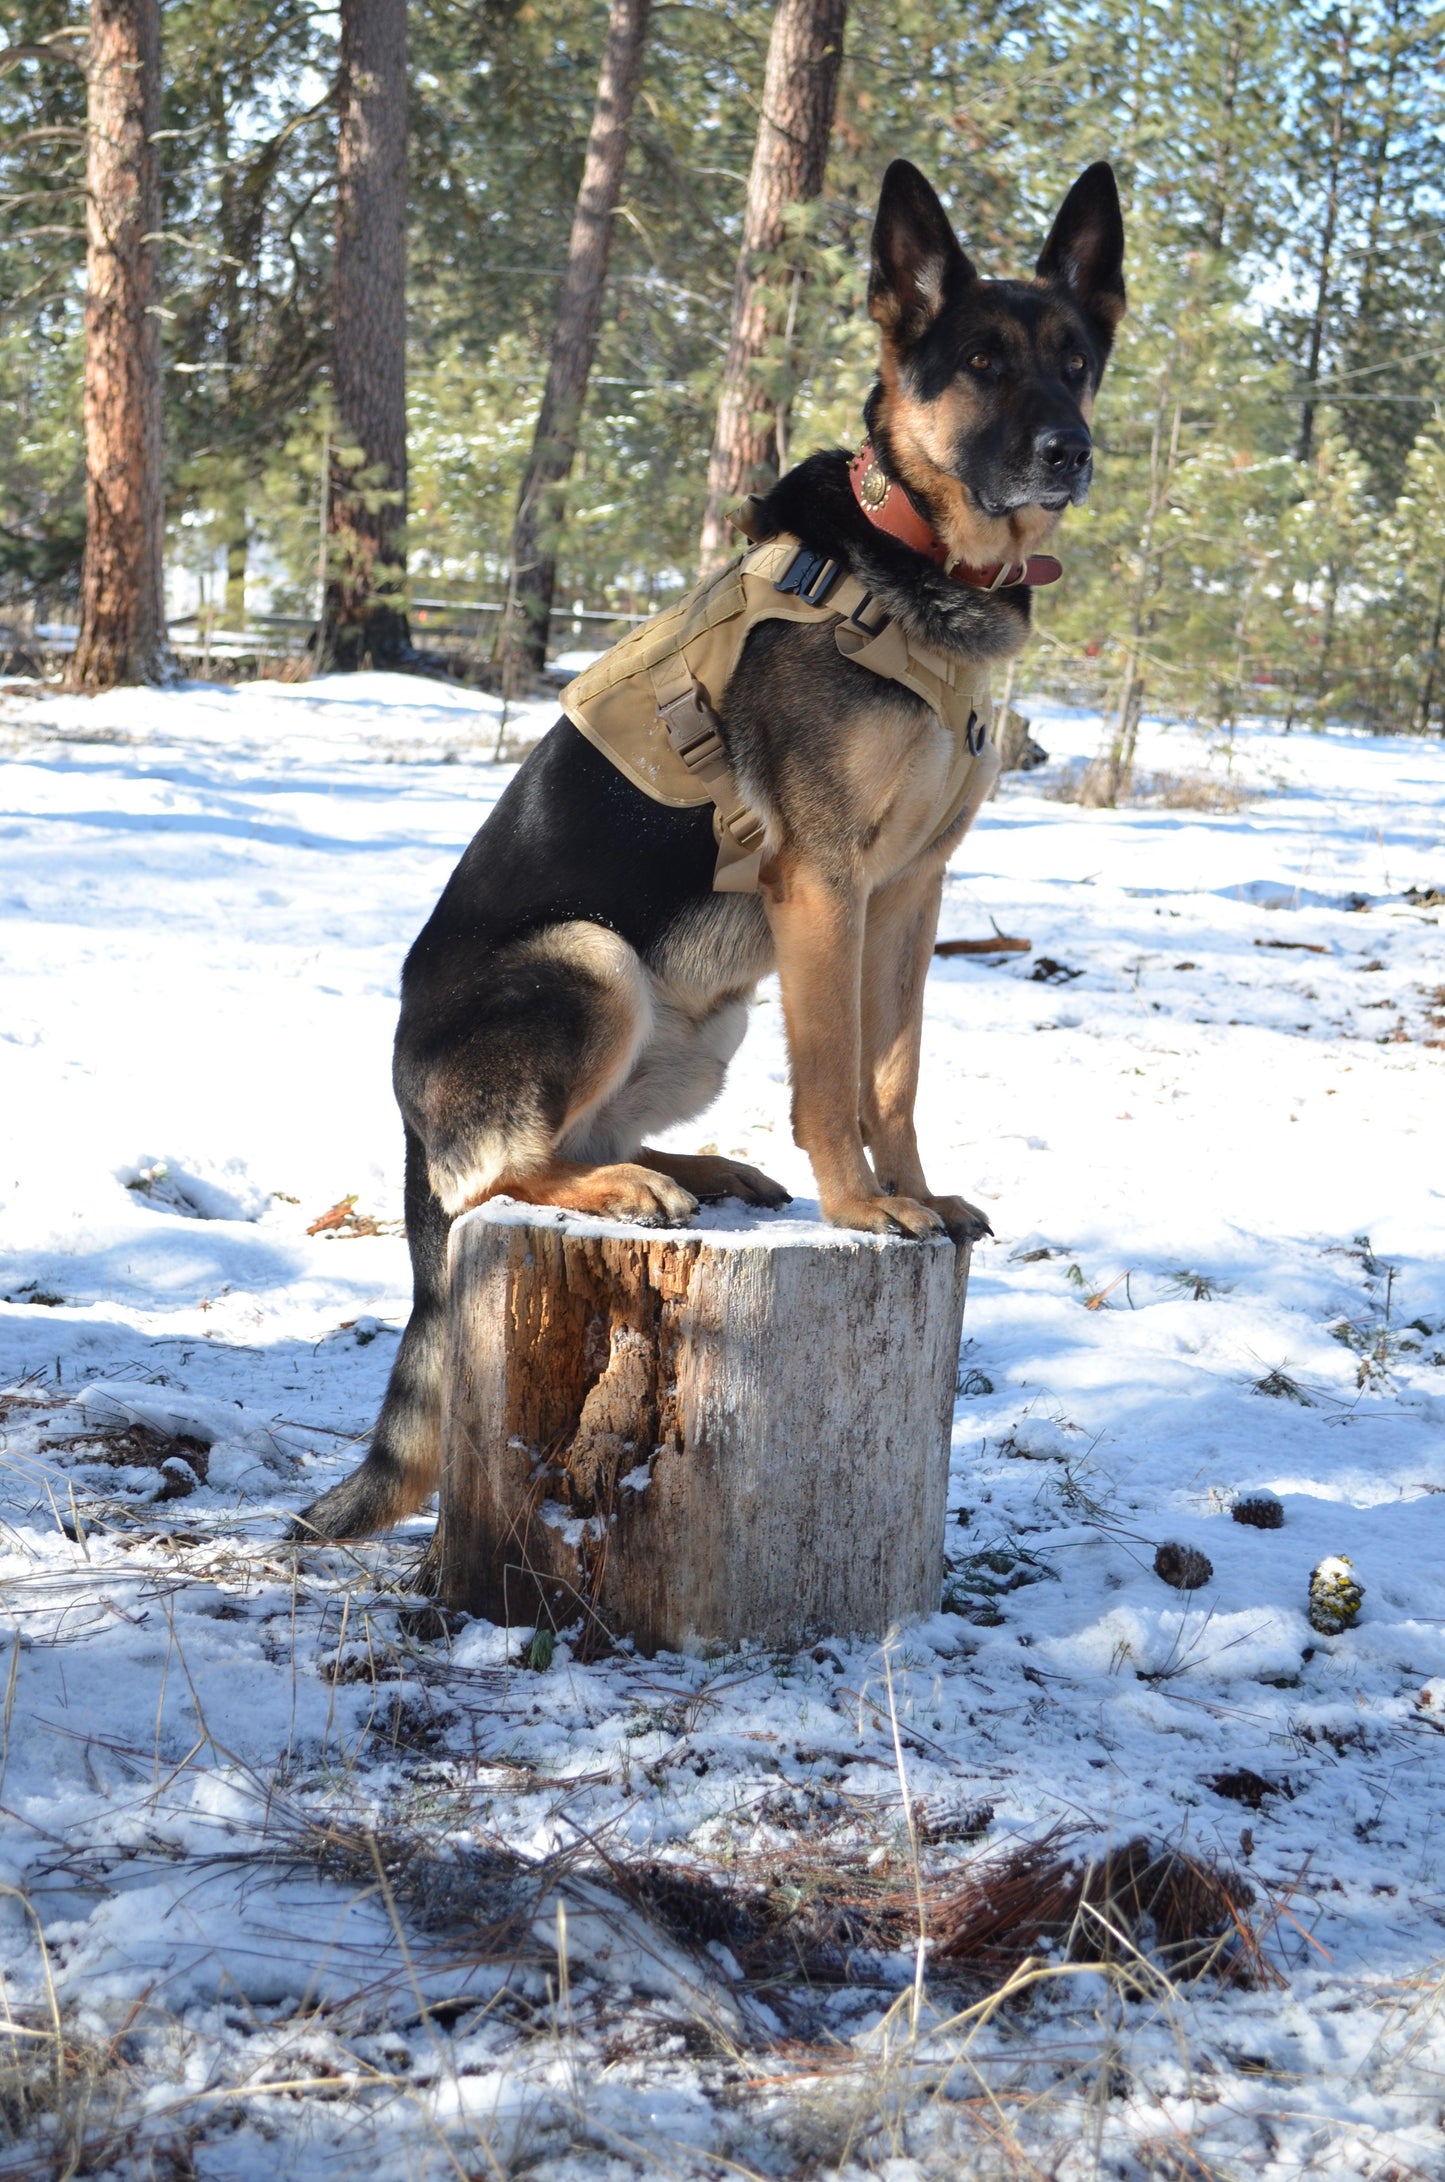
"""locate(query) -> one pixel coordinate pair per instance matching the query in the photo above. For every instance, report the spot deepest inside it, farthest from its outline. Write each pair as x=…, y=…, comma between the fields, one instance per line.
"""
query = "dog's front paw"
x=965, y=1223
x=628, y=1192
x=886, y=1216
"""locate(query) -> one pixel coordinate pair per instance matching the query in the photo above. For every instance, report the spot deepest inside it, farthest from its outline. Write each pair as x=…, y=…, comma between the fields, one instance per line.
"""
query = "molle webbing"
x=651, y=704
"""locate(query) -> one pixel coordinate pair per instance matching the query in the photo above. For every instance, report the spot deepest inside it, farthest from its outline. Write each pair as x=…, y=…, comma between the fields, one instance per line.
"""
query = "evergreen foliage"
x=1265, y=530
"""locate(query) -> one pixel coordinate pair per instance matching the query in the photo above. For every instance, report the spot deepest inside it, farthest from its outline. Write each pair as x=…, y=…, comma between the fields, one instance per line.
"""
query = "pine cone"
x=1183, y=1566
x=1261, y=1510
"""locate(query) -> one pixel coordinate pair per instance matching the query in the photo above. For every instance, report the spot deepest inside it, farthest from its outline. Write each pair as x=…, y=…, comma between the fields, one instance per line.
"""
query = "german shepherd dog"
x=579, y=985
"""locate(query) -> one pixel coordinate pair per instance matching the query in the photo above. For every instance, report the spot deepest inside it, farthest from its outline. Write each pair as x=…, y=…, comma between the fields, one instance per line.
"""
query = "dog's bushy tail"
x=403, y=1463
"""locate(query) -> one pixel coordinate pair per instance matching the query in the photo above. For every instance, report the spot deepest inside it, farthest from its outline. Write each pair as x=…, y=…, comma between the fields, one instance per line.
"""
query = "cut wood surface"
x=727, y=1433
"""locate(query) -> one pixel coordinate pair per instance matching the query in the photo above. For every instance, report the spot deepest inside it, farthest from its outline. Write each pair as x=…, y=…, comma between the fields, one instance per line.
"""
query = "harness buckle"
x=811, y=576
x=696, y=754
x=746, y=828
x=691, y=725
x=869, y=628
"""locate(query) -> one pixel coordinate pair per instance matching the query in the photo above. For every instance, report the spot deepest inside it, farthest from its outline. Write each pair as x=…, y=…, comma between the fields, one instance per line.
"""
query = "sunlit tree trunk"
x=523, y=645
x=800, y=91
x=1315, y=344
x=1432, y=668
x=364, y=619
x=1109, y=772
x=236, y=554
x=122, y=595
x=1220, y=184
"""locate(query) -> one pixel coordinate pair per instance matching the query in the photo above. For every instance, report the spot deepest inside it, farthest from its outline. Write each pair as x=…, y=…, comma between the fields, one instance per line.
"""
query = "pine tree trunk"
x=1427, y=694
x=1111, y=769
x=1304, y=446
x=364, y=617
x=790, y=157
x=1218, y=211
x=237, y=549
x=122, y=592
x=523, y=644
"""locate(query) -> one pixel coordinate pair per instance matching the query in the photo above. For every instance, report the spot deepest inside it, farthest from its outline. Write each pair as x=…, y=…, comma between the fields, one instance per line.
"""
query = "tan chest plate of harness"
x=651, y=704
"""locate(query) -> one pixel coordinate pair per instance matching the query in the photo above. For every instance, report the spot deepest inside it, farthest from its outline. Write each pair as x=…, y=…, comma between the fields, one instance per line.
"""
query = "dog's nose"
x=1066, y=450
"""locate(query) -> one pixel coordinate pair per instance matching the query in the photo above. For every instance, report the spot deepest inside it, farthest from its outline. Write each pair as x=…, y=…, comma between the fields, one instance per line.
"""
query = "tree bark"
x=523, y=644
x=1111, y=769
x=1217, y=214
x=364, y=615
x=122, y=592
x=237, y=551
x=712, y=1436
x=800, y=90
x=1304, y=446
x=1427, y=694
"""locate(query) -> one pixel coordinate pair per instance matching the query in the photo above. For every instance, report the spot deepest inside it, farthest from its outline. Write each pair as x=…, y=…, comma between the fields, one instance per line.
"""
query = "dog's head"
x=986, y=387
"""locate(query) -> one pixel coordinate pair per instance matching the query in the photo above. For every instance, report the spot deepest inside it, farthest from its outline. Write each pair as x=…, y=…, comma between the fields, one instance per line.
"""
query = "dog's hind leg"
x=492, y=1076
x=520, y=1098
x=403, y=1464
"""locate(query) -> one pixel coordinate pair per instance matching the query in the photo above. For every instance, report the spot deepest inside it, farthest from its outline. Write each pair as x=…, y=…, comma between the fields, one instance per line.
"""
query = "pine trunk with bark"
x=364, y=615
x=523, y=643
x=790, y=157
x=1304, y=446
x=122, y=591
x=1111, y=770
x=1427, y=694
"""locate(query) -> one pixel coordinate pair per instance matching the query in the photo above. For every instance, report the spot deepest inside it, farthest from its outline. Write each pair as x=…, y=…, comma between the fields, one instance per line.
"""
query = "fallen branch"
x=1002, y=945
x=1297, y=946
x=336, y=1216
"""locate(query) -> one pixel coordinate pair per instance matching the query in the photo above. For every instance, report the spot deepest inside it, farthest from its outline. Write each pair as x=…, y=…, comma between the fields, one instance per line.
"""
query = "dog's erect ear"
x=917, y=264
x=1085, y=249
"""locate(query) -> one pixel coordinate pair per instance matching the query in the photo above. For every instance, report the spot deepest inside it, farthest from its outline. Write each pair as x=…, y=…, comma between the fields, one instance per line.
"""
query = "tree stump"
x=733, y=1432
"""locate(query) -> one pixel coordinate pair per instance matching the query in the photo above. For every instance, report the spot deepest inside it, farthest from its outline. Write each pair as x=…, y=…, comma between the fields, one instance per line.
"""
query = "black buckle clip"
x=976, y=735
x=810, y=575
x=869, y=628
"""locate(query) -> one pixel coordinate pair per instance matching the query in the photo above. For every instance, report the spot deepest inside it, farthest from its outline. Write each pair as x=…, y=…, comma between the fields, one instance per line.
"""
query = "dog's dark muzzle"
x=1064, y=463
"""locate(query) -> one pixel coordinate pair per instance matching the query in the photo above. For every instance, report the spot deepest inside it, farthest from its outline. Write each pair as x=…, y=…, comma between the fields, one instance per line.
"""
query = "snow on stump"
x=729, y=1433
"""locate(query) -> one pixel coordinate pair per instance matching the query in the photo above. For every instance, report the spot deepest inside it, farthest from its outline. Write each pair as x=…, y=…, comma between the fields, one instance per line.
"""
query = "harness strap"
x=692, y=729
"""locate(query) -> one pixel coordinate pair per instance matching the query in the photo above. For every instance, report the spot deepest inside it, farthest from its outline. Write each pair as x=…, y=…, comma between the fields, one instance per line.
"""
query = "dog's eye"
x=980, y=361
x=1075, y=365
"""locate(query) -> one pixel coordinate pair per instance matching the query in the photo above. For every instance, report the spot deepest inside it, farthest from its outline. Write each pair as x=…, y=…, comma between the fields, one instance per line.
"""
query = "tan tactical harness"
x=651, y=704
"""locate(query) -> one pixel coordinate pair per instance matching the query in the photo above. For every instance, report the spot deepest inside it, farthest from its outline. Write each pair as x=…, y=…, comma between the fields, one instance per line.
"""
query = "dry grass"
x=804, y=1920
x=1187, y=791
x=1008, y=1982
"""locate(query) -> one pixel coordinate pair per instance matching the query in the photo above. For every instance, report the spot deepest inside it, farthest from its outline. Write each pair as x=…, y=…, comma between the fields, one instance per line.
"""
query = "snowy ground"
x=255, y=1816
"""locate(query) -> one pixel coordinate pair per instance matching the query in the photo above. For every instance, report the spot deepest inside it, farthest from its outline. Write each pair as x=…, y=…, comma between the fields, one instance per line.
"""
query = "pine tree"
x=122, y=634
x=1412, y=550
x=541, y=501
x=364, y=617
x=43, y=148
x=1388, y=362
x=795, y=122
x=248, y=109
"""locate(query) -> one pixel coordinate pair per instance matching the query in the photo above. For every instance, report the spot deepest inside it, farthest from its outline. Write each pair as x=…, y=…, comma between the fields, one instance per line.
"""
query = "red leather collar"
x=888, y=508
